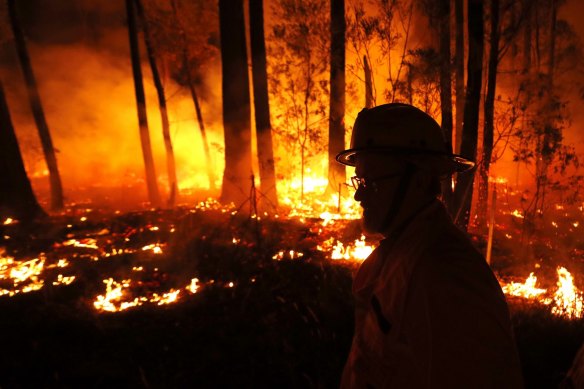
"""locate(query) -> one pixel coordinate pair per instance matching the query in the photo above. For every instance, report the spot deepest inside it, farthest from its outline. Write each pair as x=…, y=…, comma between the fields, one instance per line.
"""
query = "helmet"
x=405, y=131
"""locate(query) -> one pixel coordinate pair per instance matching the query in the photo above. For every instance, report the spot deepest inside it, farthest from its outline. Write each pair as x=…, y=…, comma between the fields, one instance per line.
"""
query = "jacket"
x=429, y=313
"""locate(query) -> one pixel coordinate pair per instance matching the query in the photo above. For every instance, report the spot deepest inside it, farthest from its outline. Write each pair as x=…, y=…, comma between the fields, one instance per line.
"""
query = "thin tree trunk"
x=261, y=101
x=464, y=186
x=170, y=162
x=369, y=102
x=37, y=109
x=336, y=171
x=236, y=104
x=489, y=115
x=194, y=96
x=459, y=65
x=206, y=149
x=17, y=199
x=151, y=184
x=445, y=90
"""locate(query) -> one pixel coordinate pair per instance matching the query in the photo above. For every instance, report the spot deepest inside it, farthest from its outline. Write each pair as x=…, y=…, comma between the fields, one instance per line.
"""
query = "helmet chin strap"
x=398, y=198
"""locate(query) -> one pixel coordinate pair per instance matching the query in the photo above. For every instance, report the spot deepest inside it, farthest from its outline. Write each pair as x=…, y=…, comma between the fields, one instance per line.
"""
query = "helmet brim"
x=437, y=162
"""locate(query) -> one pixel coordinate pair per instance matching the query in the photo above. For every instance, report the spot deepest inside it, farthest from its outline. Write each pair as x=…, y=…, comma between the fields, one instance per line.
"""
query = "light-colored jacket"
x=430, y=314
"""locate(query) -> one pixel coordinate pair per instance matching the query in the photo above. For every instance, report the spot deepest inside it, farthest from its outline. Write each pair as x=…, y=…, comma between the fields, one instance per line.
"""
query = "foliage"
x=298, y=61
x=175, y=36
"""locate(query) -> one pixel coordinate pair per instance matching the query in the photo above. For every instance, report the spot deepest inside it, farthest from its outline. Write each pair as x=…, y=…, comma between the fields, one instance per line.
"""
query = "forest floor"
x=268, y=308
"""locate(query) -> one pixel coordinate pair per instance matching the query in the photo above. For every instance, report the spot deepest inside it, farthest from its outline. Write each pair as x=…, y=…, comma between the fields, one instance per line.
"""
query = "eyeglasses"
x=363, y=182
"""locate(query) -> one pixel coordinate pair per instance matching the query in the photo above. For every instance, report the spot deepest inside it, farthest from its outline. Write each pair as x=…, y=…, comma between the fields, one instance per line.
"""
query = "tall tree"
x=336, y=171
x=170, y=162
x=459, y=66
x=17, y=199
x=236, y=102
x=468, y=149
x=445, y=87
x=261, y=102
x=489, y=112
x=37, y=109
x=151, y=183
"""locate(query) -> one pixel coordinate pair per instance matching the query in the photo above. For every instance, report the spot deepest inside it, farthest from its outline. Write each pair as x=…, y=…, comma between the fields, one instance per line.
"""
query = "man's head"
x=399, y=154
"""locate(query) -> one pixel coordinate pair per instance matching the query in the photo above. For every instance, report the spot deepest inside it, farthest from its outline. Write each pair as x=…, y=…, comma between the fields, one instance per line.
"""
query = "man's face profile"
x=378, y=194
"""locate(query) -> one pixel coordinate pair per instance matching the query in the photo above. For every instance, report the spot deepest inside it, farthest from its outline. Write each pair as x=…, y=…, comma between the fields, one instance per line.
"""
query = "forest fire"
x=566, y=300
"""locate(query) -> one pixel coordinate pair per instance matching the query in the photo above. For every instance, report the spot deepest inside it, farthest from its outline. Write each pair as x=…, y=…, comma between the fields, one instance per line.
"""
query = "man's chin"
x=370, y=225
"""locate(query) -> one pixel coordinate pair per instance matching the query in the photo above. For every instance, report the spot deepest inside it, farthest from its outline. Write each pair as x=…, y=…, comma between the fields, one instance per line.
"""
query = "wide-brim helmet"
x=406, y=132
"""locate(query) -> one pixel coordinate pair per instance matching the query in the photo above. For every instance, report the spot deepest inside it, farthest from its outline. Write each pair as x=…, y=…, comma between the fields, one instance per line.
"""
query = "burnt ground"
x=284, y=323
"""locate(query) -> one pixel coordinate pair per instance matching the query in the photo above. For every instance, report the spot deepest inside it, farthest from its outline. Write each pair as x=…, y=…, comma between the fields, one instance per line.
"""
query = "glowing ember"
x=194, y=286
x=63, y=280
x=155, y=248
x=88, y=243
x=517, y=214
x=358, y=251
x=287, y=254
x=23, y=276
x=9, y=220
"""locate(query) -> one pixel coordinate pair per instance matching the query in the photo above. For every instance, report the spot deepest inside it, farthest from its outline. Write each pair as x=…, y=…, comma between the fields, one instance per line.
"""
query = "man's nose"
x=359, y=193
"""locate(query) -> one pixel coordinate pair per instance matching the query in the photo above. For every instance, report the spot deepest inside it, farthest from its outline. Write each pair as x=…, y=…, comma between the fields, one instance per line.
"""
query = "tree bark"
x=369, y=102
x=152, y=185
x=445, y=90
x=464, y=186
x=236, y=103
x=489, y=114
x=170, y=161
x=17, y=200
x=459, y=65
x=261, y=102
x=336, y=173
x=37, y=109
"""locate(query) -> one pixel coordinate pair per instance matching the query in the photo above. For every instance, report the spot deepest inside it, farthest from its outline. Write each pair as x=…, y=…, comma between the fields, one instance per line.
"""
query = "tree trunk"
x=17, y=200
x=459, y=64
x=152, y=185
x=236, y=104
x=262, y=104
x=194, y=96
x=464, y=186
x=170, y=162
x=336, y=144
x=37, y=110
x=445, y=90
x=369, y=102
x=489, y=115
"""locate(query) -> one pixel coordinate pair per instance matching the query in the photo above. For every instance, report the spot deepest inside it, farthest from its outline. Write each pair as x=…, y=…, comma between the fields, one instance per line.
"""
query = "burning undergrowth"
x=214, y=296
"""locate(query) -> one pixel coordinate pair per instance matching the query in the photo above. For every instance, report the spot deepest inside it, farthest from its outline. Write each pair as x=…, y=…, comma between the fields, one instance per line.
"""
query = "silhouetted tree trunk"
x=236, y=104
x=17, y=200
x=489, y=114
x=368, y=84
x=195, y=97
x=464, y=186
x=459, y=65
x=261, y=101
x=37, y=109
x=445, y=89
x=151, y=184
x=170, y=162
x=336, y=171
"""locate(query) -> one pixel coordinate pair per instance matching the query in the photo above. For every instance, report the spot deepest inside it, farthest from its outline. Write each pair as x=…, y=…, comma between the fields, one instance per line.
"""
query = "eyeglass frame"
x=358, y=182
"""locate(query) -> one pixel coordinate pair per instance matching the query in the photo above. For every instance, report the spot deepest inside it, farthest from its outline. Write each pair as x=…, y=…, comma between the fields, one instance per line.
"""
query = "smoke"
x=87, y=91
